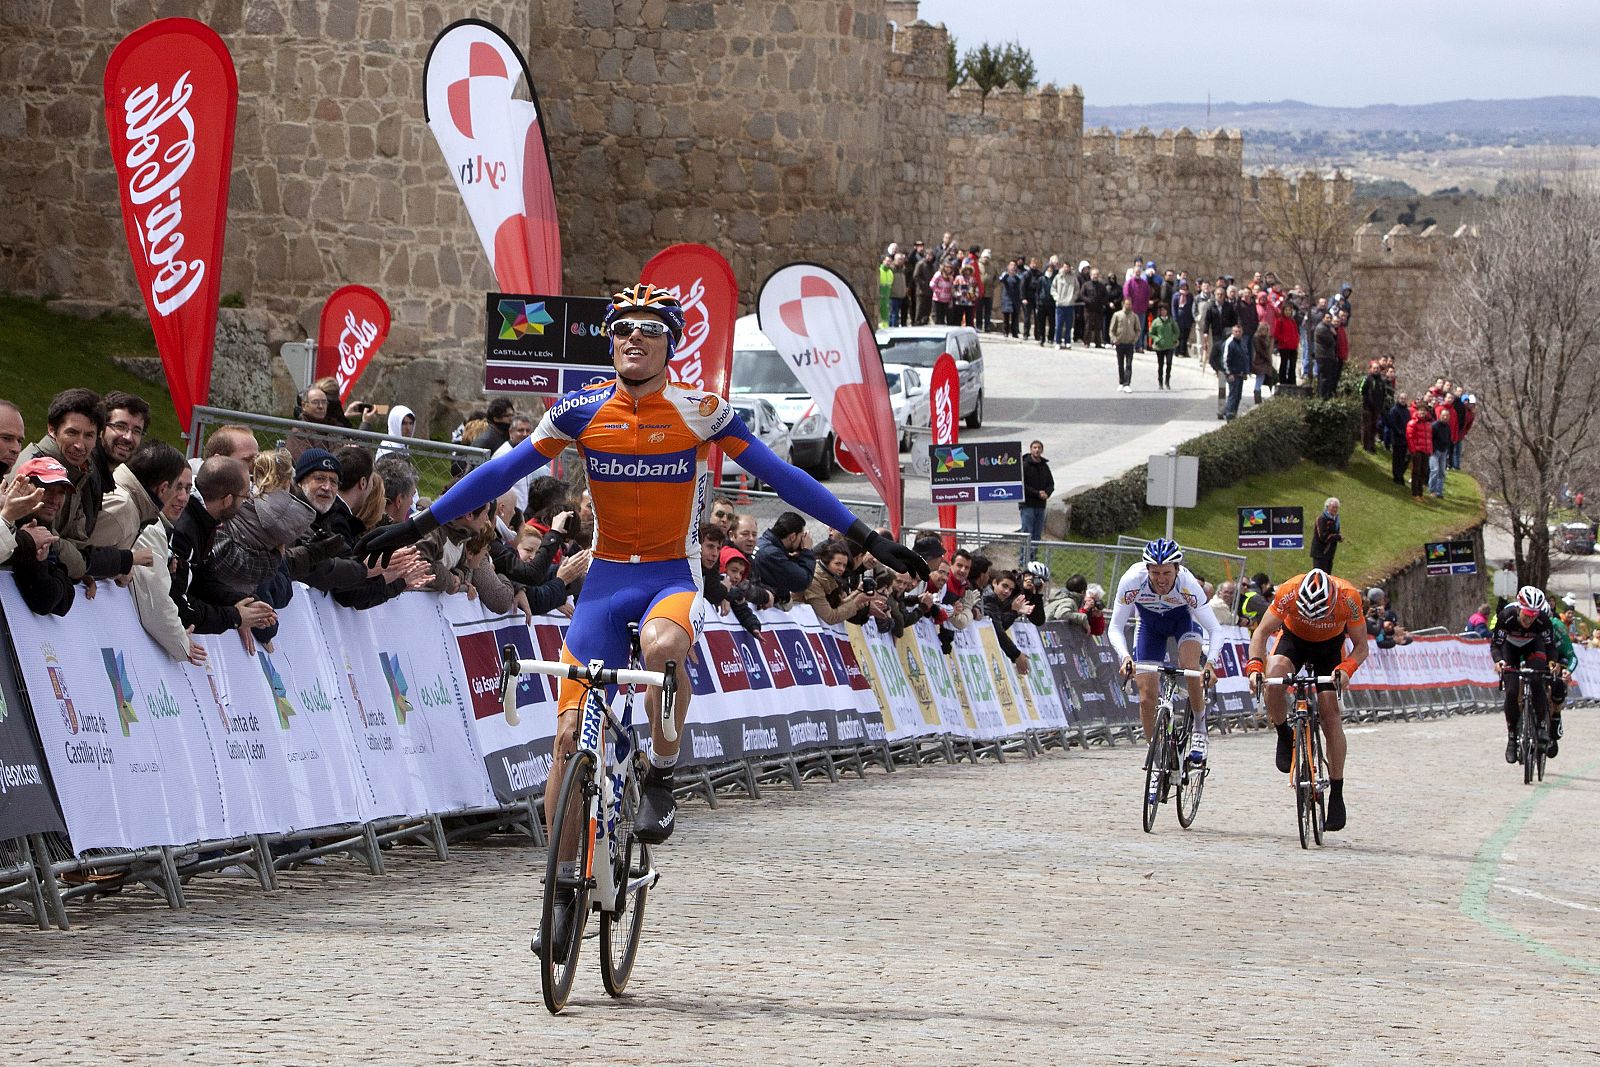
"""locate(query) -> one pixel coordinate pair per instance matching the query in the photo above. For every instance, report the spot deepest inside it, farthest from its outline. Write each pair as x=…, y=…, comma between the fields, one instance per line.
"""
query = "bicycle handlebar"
x=512, y=667
x=1321, y=679
x=1161, y=668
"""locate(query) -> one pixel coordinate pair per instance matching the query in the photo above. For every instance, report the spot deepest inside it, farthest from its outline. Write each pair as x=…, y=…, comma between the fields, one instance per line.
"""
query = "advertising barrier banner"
x=1587, y=674
x=395, y=711
x=26, y=806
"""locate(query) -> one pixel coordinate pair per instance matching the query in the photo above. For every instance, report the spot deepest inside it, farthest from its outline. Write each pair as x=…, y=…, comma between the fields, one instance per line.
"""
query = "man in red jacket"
x=1419, y=441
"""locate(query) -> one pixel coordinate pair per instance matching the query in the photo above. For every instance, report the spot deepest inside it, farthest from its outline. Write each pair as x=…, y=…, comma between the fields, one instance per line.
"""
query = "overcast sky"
x=1345, y=54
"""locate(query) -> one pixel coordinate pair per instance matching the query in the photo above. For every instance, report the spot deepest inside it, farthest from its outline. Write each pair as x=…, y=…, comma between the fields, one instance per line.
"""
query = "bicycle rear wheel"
x=620, y=933
x=571, y=821
x=1191, y=781
x=1155, y=777
x=1302, y=786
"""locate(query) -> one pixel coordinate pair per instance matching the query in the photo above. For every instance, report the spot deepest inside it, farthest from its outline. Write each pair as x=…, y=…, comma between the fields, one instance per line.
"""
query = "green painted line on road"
x=1486, y=867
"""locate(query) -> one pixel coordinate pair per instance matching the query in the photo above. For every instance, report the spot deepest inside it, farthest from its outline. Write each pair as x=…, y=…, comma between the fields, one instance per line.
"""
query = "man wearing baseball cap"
x=42, y=577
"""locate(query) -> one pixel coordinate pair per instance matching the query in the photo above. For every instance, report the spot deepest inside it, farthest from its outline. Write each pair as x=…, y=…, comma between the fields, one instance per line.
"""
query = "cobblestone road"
x=939, y=915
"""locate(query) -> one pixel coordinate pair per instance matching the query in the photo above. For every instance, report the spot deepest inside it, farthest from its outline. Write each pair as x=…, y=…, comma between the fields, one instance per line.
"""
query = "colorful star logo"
x=519, y=318
x=951, y=459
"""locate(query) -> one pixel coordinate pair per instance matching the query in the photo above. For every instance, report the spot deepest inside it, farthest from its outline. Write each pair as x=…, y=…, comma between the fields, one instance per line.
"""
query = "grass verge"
x=45, y=351
x=1384, y=529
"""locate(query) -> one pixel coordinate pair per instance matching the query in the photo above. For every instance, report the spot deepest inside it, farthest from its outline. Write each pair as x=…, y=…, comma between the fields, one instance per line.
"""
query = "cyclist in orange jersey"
x=644, y=441
x=1312, y=616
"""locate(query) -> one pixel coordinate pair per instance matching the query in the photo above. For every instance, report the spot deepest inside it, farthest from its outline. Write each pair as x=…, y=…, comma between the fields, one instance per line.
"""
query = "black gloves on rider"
x=891, y=554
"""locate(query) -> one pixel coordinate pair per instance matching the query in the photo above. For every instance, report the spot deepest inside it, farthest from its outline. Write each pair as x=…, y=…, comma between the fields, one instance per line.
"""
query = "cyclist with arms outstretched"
x=1312, y=616
x=1523, y=637
x=644, y=441
x=1169, y=603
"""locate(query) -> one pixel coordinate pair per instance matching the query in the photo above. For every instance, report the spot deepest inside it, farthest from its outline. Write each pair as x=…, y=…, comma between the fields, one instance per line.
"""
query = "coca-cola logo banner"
x=171, y=95
x=704, y=284
x=816, y=323
x=355, y=322
x=944, y=396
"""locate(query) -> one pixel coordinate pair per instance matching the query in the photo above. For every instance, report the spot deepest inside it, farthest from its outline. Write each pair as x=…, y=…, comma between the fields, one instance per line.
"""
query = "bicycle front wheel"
x=1525, y=738
x=620, y=933
x=571, y=828
x=1301, y=777
x=1155, y=775
x=1319, y=775
x=1191, y=781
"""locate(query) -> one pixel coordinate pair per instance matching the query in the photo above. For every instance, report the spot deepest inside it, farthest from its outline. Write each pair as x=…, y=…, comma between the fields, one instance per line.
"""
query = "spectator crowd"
x=216, y=544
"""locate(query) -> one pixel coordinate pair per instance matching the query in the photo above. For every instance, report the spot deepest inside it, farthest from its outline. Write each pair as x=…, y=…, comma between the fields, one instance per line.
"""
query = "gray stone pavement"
x=941, y=915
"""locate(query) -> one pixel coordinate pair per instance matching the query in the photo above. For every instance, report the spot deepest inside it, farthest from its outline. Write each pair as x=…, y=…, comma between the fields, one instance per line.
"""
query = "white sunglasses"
x=648, y=327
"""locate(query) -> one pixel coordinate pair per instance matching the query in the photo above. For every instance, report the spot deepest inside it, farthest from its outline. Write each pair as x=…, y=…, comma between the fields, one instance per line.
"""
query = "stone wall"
x=911, y=204
x=336, y=179
x=1399, y=276
x=1174, y=197
x=1011, y=174
x=1421, y=600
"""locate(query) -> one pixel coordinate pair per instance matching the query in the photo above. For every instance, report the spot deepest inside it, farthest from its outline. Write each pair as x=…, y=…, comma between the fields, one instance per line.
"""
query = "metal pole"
x=1172, y=488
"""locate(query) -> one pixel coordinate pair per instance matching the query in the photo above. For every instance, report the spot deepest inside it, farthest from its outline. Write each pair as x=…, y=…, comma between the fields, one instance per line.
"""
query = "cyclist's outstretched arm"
x=476, y=488
x=1359, y=647
x=805, y=493
x=493, y=479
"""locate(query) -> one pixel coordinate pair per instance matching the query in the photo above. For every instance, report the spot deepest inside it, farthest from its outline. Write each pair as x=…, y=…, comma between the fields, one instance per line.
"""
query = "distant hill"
x=1544, y=119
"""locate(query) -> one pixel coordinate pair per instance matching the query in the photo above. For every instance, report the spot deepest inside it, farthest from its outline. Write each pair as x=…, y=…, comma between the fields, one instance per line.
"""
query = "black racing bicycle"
x=1166, y=765
x=1531, y=726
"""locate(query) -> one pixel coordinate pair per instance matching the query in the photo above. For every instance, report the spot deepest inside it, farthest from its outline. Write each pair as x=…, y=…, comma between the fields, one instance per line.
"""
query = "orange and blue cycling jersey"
x=645, y=462
x=1345, y=609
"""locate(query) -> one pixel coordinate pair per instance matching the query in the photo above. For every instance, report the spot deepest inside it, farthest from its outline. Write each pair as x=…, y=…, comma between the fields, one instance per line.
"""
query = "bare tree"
x=1310, y=222
x=1519, y=324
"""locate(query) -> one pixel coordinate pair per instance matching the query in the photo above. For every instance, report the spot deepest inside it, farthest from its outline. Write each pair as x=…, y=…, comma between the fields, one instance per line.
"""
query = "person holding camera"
x=31, y=503
x=828, y=594
x=1004, y=604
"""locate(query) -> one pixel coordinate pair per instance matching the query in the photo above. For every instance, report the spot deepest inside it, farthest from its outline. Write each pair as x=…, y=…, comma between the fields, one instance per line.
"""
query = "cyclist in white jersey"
x=1169, y=603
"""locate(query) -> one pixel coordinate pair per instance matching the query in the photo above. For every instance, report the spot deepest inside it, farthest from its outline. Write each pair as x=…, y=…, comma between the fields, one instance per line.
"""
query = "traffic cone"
x=744, y=491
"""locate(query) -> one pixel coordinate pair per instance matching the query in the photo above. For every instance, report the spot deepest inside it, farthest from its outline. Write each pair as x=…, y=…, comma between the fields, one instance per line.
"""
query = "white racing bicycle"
x=594, y=854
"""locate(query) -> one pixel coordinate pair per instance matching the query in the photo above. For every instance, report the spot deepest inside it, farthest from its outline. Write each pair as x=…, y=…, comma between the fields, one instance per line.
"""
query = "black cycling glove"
x=377, y=545
x=891, y=554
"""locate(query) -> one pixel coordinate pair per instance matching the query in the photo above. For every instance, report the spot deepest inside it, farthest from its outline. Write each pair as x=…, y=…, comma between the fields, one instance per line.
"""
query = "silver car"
x=760, y=373
x=921, y=346
x=763, y=420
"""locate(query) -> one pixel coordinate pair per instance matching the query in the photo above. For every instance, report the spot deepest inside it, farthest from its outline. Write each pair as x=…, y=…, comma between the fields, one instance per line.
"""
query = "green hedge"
x=1333, y=429
x=1272, y=437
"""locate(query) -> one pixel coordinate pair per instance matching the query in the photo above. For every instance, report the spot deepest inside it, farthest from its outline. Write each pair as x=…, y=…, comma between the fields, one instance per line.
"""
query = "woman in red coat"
x=1419, y=440
x=1286, y=339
